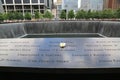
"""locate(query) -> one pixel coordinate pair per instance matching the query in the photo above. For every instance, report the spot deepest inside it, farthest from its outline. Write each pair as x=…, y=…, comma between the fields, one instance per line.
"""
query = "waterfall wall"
x=106, y=28
x=12, y=30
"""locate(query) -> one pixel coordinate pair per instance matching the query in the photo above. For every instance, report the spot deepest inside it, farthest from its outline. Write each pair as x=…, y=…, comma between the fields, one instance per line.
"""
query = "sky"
x=55, y=0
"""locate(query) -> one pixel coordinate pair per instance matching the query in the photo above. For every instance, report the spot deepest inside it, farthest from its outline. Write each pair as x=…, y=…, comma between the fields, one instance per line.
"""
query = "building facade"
x=70, y=4
x=92, y=5
x=26, y=5
x=105, y=4
x=58, y=8
x=67, y=5
x=111, y=4
x=1, y=7
x=85, y=5
x=97, y=5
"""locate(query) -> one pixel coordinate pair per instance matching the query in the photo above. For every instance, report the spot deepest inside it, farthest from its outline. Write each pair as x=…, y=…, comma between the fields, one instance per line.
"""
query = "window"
x=18, y=7
x=42, y=11
x=2, y=1
x=34, y=1
x=41, y=6
x=4, y=7
x=17, y=1
x=35, y=7
x=59, y=7
x=47, y=3
x=26, y=6
x=10, y=7
x=9, y=1
x=41, y=1
x=26, y=1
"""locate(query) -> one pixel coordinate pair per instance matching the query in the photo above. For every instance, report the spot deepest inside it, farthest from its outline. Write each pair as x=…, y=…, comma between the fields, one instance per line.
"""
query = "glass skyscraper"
x=96, y=4
x=70, y=4
x=92, y=4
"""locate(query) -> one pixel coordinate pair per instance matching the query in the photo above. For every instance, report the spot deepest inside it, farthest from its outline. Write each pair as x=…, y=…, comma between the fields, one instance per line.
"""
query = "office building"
x=92, y=5
x=70, y=4
x=58, y=8
x=1, y=7
x=111, y=4
x=67, y=5
x=85, y=5
x=96, y=5
x=105, y=4
x=26, y=5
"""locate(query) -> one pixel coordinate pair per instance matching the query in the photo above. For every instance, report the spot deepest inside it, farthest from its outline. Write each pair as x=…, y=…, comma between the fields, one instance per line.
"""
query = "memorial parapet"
x=60, y=53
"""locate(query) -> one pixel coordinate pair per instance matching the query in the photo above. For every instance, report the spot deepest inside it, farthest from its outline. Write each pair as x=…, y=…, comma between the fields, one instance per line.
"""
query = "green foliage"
x=118, y=13
x=40, y=15
x=14, y=16
x=37, y=16
x=114, y=13
x=97, y=14
x=11, y=15
x=5, y=16
x=71, y=14
x=18, y=16
x=1, y=17
x=90, y=14
x=28, y=16
x=81, y=14
x=107, y=14
x=48, y=15
x=63, y=14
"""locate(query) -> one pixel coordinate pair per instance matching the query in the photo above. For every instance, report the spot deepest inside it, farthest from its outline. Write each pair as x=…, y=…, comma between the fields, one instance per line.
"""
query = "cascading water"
x=109, y=29
x=14, y=30
x=61, y=27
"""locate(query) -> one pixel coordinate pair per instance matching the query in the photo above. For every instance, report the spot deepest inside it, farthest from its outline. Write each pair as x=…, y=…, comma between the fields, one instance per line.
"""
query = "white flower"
x=62, y=44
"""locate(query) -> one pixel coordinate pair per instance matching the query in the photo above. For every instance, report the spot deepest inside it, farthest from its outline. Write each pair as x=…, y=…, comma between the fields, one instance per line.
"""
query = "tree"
x=71, y=14
x=21, y=16
x=107, y=14
x=40, y=15
x=28, y=16
x=97, y=14
x=48, y=15
x=80, y=14
x=5, y=16
x=11, y=15
x=1, y=17
x=63, y=14
x=90, y=14
x=37, y=16
x=18, y=16
x=118, y=13
x=114, y=13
